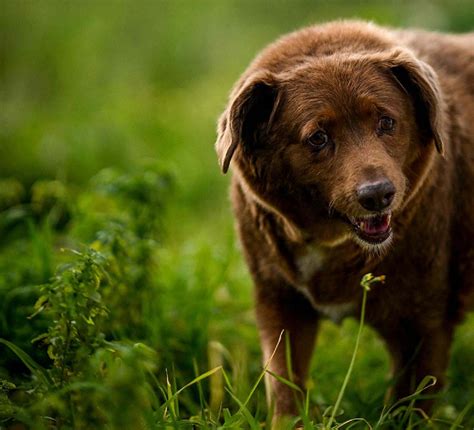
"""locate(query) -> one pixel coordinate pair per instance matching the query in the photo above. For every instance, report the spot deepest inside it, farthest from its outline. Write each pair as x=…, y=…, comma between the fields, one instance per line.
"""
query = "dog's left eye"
x=386, y=124
x=319, y=139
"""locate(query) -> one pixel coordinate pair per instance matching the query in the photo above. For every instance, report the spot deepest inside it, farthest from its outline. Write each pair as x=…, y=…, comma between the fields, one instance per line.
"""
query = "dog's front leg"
x=417, y=353
x=285, y=309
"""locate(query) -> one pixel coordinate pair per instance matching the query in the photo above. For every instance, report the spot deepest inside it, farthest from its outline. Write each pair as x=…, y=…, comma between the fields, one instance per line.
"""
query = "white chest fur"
x=336, y=313
x=308, y=263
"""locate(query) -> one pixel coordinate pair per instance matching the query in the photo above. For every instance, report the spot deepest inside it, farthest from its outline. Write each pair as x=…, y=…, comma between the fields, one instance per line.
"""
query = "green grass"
x=142, y=256
x=108, y=327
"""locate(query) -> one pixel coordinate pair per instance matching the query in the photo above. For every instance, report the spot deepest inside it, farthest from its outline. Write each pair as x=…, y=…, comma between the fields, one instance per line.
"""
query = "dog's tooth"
x=362, y=225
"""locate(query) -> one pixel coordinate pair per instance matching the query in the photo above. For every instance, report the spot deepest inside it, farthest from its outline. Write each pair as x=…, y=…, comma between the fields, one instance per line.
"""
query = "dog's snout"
x=376, y=196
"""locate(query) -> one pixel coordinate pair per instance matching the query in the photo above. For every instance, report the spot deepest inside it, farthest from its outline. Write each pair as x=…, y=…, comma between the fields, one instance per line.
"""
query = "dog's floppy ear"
x=250, y=110
x=420, y=81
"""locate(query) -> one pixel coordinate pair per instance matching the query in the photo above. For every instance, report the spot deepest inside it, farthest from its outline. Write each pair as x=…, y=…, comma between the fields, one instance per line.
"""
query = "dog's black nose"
x=376, y=196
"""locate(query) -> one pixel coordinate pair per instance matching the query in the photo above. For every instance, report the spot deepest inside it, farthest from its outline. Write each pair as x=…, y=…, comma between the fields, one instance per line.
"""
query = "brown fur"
x=292, y=202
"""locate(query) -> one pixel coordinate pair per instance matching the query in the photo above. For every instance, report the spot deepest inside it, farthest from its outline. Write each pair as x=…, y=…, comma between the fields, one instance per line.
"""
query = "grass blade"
x=458, y=421
x=31, y=364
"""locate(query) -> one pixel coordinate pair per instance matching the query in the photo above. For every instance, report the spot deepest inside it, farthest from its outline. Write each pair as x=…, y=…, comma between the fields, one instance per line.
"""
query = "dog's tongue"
x=375, y=225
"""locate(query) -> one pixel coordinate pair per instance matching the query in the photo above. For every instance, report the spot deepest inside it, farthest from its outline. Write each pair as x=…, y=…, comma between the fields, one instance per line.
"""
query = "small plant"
x=96, y=295
x=73, y=303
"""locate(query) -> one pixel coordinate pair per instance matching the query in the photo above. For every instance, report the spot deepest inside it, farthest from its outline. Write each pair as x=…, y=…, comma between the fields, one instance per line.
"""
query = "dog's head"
x=332, y=144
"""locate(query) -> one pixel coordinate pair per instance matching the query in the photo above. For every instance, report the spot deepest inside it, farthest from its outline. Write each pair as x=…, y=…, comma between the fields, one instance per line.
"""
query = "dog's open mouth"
x=373, y=229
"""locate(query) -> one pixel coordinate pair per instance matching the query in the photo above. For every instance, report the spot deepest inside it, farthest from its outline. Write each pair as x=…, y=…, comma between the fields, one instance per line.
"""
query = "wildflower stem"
x=367, y=280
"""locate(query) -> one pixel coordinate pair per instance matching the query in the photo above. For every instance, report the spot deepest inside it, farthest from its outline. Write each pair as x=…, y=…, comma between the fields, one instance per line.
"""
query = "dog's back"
x=452, y=58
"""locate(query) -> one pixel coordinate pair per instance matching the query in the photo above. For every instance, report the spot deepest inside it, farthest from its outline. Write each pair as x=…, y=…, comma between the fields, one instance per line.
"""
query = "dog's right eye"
x=386, y=124
x=319, y=139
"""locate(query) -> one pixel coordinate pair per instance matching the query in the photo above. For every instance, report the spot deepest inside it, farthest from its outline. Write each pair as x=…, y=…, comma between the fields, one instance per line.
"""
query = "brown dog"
x=353, y=153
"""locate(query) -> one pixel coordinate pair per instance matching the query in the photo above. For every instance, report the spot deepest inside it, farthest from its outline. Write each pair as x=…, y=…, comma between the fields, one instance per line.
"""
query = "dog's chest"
x=309, y=263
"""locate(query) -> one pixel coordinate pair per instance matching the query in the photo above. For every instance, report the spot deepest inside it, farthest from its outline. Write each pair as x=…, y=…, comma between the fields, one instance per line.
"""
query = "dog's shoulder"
x=262, y=234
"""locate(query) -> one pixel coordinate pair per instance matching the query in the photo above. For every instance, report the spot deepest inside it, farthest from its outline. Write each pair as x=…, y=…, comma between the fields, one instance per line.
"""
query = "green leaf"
x=32, y=365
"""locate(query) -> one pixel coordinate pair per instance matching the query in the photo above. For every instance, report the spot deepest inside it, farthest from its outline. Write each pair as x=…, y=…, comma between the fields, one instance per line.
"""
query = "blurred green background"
x=88, y=84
